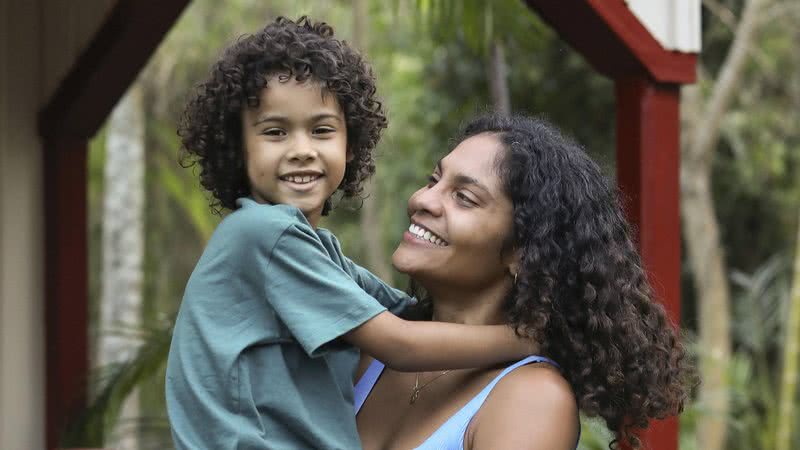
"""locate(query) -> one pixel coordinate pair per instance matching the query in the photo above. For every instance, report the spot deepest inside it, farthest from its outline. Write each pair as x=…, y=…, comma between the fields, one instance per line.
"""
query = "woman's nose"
x=427, y=199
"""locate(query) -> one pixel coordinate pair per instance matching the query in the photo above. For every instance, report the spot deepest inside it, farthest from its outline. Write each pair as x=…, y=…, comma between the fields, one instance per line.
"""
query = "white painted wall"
x=674, y=23
x=21, y=229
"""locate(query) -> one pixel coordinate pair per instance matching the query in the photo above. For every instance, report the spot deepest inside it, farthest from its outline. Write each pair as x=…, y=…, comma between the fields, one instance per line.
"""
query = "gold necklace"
x=417, y=388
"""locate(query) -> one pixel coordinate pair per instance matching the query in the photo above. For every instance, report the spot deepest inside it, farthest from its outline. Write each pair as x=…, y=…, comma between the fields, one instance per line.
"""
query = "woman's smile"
x=418, y=234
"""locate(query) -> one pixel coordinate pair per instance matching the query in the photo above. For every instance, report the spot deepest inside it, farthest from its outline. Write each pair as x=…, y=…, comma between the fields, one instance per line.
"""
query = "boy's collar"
x=249, y=202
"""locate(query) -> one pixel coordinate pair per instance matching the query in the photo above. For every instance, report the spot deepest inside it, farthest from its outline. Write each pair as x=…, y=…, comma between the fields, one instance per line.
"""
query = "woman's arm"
x=532, y=408
x=410, y=346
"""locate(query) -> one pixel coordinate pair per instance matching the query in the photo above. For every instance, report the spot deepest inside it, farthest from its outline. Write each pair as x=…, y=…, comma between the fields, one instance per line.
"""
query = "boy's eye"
x=324, y=130
x=273, y=132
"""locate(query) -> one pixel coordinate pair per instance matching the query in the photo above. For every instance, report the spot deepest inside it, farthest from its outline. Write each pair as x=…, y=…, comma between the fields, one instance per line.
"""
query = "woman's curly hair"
x=210, y=128
x=581, y=291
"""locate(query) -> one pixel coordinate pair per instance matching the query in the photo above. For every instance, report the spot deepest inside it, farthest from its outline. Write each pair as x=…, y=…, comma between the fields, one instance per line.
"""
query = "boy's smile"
x=295, y=145
x=301, y=180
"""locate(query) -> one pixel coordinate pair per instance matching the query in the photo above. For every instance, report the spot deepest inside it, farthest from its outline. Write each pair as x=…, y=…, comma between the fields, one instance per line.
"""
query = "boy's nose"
x=302, y=150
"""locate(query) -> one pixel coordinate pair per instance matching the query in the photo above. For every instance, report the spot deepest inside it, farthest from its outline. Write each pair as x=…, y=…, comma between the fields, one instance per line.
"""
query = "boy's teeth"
x=300, y=178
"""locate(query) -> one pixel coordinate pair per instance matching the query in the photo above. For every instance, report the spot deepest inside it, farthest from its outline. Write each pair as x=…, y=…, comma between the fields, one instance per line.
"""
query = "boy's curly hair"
x=210, y=127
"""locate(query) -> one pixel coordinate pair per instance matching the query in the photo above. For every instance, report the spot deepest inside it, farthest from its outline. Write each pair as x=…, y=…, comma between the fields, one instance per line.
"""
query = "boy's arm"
x=393, y=299
x=319, y=302
x=412, y=346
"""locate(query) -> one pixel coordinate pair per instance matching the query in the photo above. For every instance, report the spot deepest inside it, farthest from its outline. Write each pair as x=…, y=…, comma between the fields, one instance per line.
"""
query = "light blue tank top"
x=450, y=436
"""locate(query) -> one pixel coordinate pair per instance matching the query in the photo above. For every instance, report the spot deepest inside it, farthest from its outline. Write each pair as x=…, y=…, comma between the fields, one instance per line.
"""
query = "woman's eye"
x=432, y=180
x=463, y=198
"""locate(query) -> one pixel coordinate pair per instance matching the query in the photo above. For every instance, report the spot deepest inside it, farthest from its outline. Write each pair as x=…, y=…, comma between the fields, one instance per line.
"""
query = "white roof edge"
x=675, y=24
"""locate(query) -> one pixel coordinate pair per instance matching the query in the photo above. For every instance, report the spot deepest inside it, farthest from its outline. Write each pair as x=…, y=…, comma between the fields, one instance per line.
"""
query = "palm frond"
x=115, y=383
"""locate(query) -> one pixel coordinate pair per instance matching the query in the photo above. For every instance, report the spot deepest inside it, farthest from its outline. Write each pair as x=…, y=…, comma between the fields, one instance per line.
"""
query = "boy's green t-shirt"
x=255, y=362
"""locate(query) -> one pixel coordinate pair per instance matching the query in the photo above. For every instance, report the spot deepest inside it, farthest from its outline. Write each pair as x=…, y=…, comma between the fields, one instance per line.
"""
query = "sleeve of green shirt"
x=315, y=298
x=393, y=299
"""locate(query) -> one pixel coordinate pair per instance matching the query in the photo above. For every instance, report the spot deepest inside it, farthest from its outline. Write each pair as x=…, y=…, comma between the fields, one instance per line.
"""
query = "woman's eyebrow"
x=462, y=179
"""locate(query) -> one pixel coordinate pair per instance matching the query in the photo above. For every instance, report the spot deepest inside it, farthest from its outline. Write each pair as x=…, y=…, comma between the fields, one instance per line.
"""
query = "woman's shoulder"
x=531, y=407
x=532, y=387
x=541, y=378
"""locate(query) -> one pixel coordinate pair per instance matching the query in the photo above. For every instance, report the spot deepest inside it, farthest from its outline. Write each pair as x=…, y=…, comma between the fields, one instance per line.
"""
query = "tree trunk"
x=123, y=243
x=701, y=230
x=791, y=353
x=370, y=222
x=498, y=78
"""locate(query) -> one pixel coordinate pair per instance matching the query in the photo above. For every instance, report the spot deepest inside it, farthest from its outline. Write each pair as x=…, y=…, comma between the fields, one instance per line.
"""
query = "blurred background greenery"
x=438, y=63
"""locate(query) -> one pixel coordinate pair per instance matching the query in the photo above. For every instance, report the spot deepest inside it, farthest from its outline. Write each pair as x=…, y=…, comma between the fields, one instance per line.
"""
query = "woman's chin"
x=404, y=261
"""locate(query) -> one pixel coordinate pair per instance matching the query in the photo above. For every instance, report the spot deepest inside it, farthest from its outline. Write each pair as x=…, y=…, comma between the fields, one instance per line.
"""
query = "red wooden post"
x=66, y=281
x=648, y=173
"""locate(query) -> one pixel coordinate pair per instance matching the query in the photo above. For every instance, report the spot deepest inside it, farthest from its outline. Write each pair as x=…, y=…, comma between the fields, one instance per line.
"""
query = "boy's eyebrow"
x=465, y=180
x=321, y=116
x=269, y=118
x=280, y=118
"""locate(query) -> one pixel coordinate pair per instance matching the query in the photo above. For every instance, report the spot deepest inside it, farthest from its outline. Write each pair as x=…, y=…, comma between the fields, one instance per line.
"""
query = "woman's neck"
x=469, y=306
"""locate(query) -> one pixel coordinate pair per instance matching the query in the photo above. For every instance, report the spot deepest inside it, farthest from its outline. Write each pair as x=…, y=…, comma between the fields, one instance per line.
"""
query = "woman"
x=522, y=219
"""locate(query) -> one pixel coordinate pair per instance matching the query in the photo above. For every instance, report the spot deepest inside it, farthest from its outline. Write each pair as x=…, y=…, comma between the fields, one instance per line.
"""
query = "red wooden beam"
x=648, y=163
x=109, y=64
x=66, y=281
x=613, y=40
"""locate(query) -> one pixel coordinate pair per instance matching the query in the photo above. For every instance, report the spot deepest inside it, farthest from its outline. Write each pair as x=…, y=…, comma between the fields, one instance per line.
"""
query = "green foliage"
x=594, y=435
x=114, y=384
x=181, y=184
x=476, y=22
x=758, y=163
x=761, y=300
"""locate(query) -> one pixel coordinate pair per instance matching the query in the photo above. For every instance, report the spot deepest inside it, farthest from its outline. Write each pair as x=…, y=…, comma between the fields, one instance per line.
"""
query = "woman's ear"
x=513, y=262
x=349, y=155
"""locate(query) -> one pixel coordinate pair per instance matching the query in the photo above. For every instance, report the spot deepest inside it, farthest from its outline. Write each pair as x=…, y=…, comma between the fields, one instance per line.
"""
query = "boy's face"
x=295, y=145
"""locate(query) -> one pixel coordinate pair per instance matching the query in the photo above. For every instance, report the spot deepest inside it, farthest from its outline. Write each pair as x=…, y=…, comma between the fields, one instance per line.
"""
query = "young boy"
x=262, y=354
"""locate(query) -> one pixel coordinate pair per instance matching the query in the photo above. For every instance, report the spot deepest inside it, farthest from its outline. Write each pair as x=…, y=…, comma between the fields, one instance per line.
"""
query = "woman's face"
x=459, y=221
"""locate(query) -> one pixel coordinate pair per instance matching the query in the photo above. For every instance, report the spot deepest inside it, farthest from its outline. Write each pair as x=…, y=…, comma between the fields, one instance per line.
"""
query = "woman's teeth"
x=426, y=235
x=300, y=179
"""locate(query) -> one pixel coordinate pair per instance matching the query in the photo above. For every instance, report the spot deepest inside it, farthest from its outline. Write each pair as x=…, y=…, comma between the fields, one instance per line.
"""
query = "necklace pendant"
x=414, y=396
